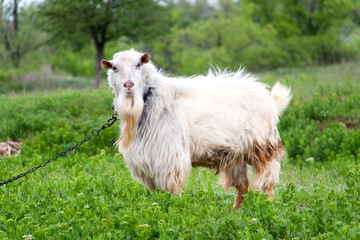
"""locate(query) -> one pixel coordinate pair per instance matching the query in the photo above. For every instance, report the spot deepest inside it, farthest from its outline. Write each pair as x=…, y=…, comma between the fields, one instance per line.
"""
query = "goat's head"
x=126, y=77
x=125, y=72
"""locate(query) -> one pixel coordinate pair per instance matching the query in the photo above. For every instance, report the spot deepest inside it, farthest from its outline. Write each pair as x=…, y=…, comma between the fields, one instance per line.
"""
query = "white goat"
x=222, y=121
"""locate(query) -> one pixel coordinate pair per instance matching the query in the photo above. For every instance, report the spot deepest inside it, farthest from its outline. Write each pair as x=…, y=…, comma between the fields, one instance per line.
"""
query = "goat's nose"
x=128, y=84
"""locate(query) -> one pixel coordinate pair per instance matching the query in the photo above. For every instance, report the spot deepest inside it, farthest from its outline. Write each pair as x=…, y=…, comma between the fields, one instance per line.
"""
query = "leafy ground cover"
x=91, y=195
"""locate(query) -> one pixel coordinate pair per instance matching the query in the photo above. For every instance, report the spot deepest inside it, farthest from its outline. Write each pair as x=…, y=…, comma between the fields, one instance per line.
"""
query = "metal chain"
x=72, y=150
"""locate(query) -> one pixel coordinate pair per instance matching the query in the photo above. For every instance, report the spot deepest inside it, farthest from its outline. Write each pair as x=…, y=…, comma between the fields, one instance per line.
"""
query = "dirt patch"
x=351, y=125
x=9, y=148
x=321, y=125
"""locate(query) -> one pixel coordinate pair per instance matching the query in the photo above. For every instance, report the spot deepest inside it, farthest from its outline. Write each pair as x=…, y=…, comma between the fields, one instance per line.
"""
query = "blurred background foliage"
x=51, y=43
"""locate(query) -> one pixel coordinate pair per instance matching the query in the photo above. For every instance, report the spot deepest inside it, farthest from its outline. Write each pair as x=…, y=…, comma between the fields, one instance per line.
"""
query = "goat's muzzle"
x=128, y=85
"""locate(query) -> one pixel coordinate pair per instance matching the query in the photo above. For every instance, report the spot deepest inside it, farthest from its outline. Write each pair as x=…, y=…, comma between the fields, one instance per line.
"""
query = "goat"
x=223, y=121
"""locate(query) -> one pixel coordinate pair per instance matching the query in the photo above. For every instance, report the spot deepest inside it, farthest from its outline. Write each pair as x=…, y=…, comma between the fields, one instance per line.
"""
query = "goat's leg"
x=173, y=182
x=270, y=191
x=237, y=178
x=266, y=178
x=241, y=190
x=148, y=182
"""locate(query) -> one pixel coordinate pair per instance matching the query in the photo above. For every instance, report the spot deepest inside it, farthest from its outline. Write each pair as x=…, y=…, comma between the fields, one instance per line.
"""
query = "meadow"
x=91, y=195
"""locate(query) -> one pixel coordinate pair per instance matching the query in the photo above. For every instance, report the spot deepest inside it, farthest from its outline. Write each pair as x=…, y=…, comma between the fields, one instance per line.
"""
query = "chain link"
x=73, y=150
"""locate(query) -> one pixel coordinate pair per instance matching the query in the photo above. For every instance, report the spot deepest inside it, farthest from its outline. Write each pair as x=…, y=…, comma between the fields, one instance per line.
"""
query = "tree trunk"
x=218, y=39
x=169, y=56
x=16, y=53
x=310, y=26
x=99, y=45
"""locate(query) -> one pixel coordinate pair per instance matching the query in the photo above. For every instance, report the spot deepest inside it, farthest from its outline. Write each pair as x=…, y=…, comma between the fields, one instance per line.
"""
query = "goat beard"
x=130, y=110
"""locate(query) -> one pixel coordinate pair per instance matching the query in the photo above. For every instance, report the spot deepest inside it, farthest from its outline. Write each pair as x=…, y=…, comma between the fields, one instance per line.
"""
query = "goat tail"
x=282, y=96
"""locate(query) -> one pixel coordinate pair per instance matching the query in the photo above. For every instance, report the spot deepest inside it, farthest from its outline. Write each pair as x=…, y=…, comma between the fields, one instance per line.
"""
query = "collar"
x=147, y=94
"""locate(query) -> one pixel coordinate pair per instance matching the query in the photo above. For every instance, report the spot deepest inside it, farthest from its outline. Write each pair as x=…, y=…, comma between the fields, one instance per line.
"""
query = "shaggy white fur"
x=223, y=121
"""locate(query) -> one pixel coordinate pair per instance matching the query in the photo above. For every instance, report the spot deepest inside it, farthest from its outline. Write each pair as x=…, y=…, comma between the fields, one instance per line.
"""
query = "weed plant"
x=91, y=195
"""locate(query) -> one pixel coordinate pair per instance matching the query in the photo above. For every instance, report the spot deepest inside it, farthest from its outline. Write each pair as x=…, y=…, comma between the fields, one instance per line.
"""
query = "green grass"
x=91, y=195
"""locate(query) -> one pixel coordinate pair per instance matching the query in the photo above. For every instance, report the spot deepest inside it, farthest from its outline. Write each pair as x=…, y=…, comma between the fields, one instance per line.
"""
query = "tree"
x=102, y=21
x=10, y=28
x=19, y=32
x=179, y=15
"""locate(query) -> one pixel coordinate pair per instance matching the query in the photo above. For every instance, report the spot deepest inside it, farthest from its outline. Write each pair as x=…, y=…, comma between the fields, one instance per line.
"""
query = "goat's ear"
x=145, y=58
x=106, y=64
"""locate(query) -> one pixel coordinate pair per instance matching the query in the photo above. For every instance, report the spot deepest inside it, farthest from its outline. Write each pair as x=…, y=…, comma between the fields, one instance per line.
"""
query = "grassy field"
x=91, y=195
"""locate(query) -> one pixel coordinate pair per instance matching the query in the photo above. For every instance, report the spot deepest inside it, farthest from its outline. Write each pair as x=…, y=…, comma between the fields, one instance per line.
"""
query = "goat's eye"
x=115, y=69
x=138, y=65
